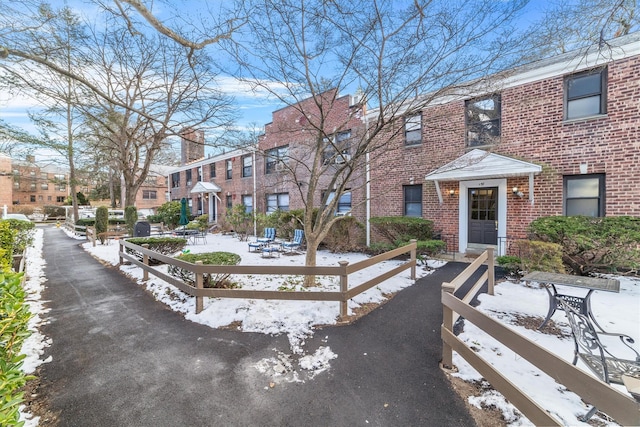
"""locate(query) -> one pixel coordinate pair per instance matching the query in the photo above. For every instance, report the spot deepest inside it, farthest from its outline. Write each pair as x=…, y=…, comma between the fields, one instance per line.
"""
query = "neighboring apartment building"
x=273, y=174
x=555, y=137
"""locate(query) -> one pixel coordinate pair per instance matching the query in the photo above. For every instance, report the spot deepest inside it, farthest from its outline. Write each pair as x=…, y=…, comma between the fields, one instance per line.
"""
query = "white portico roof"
x=480, y=164
x=205, y=187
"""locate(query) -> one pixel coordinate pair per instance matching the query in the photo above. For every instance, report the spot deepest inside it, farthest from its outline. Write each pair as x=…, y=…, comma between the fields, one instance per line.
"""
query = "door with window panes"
x=483, y=215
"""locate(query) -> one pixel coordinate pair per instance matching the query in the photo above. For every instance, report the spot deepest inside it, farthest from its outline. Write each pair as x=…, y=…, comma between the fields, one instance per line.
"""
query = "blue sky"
x=254, y=108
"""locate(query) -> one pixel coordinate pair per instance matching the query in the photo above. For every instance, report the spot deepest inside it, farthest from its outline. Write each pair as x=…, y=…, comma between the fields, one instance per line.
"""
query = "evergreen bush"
x=102, y=222
x=163, y=245
x=398, y=229
x=130, y=218
x=208, y=258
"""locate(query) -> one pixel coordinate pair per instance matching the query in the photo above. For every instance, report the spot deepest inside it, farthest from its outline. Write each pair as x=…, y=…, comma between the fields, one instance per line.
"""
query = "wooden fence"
x=343, y=269
x=618, y=405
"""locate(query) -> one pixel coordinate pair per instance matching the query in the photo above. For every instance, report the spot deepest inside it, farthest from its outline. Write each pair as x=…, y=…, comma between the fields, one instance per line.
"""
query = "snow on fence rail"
x=614, y=403
x=343, y=269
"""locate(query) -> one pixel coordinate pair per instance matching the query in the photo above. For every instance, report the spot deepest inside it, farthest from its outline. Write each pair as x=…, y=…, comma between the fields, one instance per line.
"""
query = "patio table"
x=583, y=304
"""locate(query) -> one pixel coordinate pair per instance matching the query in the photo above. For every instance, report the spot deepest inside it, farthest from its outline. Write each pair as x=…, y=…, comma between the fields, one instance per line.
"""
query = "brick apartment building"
x=555, y=137
x=273, y=174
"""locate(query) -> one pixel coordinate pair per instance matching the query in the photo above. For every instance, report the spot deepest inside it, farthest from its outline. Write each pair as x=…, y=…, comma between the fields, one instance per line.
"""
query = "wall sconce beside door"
x=452, y=193
x=517, y=192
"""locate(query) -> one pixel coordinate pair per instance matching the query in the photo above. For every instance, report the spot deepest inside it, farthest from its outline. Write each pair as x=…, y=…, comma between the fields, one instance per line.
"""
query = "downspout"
x=367, y=185
x=255, y=172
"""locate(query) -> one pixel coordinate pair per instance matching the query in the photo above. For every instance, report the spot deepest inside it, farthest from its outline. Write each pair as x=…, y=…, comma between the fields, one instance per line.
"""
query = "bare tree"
x=569, y=25
x=159, y=93
x=304, y=53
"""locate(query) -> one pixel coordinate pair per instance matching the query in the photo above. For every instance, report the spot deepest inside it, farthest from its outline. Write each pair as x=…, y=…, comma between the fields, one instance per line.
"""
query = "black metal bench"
x=590, y=349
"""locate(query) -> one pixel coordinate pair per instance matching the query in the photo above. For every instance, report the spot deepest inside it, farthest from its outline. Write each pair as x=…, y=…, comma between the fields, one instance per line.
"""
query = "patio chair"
x=200, y=235
x=590, y=349
x=269, y=236
x=298, y=235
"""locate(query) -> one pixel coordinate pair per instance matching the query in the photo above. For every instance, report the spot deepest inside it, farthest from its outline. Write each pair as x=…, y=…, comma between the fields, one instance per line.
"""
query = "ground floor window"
x=247, y=201
x=149, y=194
x=412, y=200
x=584, y=195
x=229, y=202
x=344, y=203
x=277, y=201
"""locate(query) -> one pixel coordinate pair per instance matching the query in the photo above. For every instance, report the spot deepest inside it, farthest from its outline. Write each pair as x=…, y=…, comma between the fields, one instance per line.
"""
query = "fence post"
x=145, y=261
x=447, y=323
x=344, y=287
x=491, y=278
x=121, y=244
x=414, y=246
x=199, y=285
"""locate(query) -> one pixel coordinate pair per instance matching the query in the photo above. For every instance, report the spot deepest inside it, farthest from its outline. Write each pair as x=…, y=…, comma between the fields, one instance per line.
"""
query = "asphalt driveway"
x=120, y=358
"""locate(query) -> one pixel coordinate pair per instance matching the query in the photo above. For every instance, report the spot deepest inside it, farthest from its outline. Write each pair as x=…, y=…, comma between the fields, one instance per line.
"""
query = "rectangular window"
x=585, y=94
x=212, y=170
x=40, y=198
x=149, y=194
x=413, y=129
x=16, y=185
x=49, y=198
x=175, y=180
x=337, y=148
x=483, y=121
x=584, y=195
x=199, y=173
x=188, y=176
x=247, y=201
x=60, y=199
x=344, y=204
x=412, y=200
x=44, y=186
x=32, y=187
x=229, y=203
x=229, y=169
x=277, y=201
x=32, y=198
x=247, y=166
x=275, y=159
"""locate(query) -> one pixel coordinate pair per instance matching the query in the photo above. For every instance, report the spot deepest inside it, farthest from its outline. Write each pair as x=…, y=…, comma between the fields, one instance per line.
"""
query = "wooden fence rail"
x=618, y=405
x=343, y=269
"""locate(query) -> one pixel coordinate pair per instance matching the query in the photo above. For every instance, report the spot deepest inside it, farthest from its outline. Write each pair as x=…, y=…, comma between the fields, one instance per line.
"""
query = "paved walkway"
x=120, y=358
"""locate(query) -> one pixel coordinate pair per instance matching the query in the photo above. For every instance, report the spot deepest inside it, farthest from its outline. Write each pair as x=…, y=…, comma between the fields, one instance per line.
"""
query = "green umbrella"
x=184, y=218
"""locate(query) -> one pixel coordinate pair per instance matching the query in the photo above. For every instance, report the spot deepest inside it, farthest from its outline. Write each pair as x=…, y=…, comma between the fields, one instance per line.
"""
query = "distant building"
x=192, y=145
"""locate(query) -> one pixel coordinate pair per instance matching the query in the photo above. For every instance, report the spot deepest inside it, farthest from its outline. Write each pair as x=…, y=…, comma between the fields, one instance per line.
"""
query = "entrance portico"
x=207, y=191
x=483, y=190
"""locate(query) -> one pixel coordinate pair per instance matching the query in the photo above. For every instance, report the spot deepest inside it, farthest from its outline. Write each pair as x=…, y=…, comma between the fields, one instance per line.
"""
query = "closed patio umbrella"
x=184, y=219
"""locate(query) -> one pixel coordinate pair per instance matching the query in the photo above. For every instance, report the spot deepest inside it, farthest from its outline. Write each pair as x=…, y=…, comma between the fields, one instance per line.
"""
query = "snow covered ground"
x=617, y=312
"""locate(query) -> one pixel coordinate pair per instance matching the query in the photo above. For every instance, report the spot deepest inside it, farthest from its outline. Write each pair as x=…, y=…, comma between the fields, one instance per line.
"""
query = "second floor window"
x=337, y=149
x=188, y=173
x=175, y=180
x=276, y=158
x=413, y=129
x=212, y=170
x=483, y=121
x=585, y=94
x=247, y=166
x=344, y=203
x=229, y=164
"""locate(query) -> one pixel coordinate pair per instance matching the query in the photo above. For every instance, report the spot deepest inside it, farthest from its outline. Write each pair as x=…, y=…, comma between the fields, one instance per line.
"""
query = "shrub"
x=208, y=258
x=345, y=235
x=168, y=213
x=54, y=211
x=85, y=222
x=14, y=318
x=241, y=221
x=512, y=264
x=396, y=229
x=130, y=218
x=102, y=222
x=592, y=244
x=7, y=236
x=377, y=248
x=538, y=255
x=23, y=234
x=163, y=245
x=430, y=248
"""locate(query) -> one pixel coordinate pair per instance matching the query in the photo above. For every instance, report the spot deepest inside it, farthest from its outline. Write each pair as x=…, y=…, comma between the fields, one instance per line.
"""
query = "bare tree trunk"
x=310, y=261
